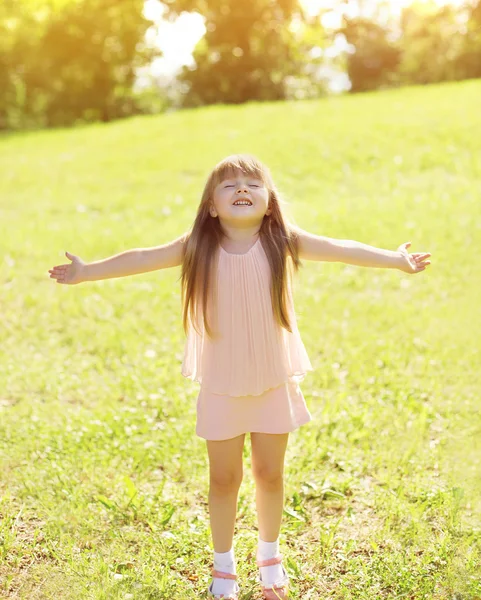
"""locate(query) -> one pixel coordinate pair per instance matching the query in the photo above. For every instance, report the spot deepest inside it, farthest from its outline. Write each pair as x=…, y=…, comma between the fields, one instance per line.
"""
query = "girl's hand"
x=412, y=263
x=70, y=273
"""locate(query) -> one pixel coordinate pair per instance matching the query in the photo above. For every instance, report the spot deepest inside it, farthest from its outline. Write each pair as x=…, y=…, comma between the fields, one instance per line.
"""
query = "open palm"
x=415, y=262
x=69, y=273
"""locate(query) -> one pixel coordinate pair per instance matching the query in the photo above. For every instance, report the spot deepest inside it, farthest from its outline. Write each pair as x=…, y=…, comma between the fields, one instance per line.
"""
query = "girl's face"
x=239, y=187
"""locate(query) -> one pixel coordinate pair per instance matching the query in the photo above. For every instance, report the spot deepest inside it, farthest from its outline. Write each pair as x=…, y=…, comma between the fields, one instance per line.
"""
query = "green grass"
x=103, y=488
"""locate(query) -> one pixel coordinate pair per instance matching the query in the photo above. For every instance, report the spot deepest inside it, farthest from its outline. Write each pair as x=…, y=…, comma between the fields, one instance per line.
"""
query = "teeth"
x=242, y=204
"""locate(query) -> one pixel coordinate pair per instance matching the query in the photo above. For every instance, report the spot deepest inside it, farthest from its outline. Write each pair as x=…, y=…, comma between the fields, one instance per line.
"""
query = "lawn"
x=103, y=486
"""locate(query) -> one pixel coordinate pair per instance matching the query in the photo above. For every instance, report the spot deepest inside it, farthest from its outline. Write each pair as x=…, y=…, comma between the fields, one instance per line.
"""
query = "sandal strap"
x=270, y=561
x=271, y=588
x=222, y=575
x=281, y=588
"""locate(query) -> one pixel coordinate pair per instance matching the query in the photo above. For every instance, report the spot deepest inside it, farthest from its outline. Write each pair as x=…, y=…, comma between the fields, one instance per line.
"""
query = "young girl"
x=243, y=344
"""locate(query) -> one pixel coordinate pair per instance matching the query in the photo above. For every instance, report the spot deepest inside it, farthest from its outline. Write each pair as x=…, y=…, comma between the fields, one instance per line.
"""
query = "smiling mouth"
x=242, y=203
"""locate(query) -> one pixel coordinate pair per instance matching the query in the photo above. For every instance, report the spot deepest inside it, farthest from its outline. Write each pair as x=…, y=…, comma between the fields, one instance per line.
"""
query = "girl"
x=243, y=344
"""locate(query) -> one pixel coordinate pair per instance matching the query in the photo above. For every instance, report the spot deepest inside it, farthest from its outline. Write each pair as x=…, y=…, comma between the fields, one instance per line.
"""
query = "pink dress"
x=249, y=376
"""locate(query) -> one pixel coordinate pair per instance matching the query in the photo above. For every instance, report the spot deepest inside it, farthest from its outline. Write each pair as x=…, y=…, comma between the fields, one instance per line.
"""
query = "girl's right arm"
x=130, y=262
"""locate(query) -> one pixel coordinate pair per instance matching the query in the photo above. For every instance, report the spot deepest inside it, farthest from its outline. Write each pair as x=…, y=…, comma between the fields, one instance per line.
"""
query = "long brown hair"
x=278, y=237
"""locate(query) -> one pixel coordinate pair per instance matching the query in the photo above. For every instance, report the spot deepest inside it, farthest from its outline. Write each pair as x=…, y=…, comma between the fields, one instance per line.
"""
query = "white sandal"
x=223, y=575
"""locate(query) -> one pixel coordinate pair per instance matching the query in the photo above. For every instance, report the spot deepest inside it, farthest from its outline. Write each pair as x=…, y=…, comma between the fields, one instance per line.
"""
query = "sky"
x=178, y=39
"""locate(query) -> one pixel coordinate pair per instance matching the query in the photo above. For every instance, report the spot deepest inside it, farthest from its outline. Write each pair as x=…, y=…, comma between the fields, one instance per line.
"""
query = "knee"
x=226, y=482
x=268, y=476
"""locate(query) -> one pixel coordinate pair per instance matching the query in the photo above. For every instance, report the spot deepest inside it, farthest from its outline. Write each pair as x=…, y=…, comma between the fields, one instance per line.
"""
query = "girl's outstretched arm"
x=316, y=247
x=130, y=262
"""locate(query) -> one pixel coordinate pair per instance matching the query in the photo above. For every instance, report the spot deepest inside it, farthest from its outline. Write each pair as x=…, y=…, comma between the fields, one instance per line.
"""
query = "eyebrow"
x=235, y=178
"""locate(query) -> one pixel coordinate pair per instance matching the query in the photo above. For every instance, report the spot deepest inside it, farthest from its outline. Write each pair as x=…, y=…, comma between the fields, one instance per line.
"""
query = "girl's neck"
x=240, y=245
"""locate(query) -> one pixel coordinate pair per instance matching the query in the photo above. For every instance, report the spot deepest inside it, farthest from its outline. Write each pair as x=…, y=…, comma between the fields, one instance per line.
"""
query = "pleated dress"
x=249, y=376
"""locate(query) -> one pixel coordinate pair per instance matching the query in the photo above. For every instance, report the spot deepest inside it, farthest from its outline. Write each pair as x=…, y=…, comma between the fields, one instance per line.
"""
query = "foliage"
x=427, y=44
x=250, y=51
x=72, y=61
x=431, y=43
x=69, y=61
x=469, y=59
x=374, y=59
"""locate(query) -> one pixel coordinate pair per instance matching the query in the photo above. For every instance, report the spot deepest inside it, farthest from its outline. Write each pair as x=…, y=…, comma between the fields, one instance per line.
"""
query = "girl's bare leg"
x=268, y=452
x=226, y=473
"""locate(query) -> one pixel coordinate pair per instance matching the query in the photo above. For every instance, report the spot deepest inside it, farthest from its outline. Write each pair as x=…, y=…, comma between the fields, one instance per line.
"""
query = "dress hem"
x=297, y=426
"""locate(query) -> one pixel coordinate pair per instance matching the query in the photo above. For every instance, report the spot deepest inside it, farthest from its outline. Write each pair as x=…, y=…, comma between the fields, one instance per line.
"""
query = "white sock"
x=225, y=562
x=266, y=550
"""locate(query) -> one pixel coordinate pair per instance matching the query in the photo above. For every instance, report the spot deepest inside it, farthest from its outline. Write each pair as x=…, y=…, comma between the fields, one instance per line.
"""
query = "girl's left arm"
x=316, y=247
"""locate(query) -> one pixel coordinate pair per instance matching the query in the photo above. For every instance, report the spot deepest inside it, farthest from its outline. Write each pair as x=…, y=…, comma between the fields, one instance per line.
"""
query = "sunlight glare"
x=177, y=39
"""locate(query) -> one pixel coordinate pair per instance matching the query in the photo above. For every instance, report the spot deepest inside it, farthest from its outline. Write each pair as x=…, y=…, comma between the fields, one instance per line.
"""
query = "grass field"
x=103, y=490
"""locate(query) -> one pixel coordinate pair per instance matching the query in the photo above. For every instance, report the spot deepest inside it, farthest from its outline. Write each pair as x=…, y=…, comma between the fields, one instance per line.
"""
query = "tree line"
x=68, y=61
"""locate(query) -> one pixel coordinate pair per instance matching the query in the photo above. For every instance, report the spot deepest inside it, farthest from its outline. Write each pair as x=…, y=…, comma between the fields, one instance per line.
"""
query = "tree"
x=249, y=50
x=375, y=58
x=431, y=43
x=70, y=60
x=469, y=60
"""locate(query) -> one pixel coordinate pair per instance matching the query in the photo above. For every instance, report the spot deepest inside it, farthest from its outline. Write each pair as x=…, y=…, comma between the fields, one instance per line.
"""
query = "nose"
x=242, y=188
